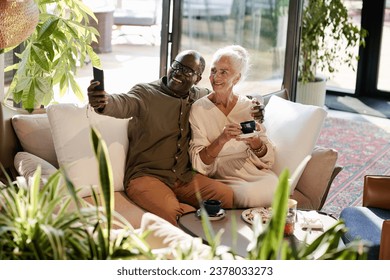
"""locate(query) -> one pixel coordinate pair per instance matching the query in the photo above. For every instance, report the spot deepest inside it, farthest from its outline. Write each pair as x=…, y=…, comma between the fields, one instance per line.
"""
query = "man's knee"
x=225, y=194
x=171, y=214
x=222, y=192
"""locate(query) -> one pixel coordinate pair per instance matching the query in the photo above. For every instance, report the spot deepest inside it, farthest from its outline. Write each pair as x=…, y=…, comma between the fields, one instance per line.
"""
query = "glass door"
x=370, y=78
x=258, y=25
x=345, y=79
x=384, y=58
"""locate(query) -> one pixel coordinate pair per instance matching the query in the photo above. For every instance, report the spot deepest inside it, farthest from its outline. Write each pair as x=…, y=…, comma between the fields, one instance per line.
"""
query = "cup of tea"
x=291, y=217
x=248, y=126
x=212, y=206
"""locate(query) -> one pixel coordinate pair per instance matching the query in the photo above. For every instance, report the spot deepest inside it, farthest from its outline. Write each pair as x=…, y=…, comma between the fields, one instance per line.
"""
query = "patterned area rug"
x=363, y=148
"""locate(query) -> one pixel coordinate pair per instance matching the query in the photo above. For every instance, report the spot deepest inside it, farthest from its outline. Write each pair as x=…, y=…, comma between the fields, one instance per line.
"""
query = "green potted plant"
x=328, y=39
x=60, y=43
x=52, y=223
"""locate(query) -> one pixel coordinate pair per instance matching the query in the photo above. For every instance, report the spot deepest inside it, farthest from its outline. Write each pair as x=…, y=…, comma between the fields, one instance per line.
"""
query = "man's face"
x=184, y=73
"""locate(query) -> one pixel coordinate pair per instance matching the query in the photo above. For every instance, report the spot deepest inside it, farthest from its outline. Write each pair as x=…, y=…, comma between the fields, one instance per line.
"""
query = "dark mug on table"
x=212, y=206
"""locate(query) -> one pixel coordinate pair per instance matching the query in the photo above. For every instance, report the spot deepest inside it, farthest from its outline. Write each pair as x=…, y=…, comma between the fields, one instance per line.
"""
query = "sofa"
x=58, y=136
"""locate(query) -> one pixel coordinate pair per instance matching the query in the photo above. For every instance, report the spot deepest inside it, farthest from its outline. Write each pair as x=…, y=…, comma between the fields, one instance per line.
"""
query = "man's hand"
x=257, y=110
x=97, y=98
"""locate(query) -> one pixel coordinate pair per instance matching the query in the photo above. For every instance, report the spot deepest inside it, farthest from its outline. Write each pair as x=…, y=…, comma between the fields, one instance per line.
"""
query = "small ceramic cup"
x=248, y=126
x=212, y=206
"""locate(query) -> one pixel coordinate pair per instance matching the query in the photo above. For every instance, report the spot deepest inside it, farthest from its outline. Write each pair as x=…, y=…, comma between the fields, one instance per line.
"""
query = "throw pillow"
x=293, y=128
x=71, y=130
x=34, y=134
x=26, y=165
x=315, y=180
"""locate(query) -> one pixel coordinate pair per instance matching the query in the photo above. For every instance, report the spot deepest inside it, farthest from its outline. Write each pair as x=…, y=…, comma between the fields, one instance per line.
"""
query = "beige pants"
x=170, y=203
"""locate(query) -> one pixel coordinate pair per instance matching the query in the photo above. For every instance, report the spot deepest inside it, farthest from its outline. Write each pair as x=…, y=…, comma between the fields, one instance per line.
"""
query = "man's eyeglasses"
x=187, y=71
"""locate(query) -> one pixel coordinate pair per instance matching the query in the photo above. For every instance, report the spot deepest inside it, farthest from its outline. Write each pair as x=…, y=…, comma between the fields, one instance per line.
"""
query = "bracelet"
x=260, y=151
x=207, y=154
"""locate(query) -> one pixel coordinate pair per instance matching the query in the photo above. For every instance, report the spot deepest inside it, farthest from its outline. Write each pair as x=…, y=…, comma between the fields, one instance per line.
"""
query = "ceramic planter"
x=312, y=93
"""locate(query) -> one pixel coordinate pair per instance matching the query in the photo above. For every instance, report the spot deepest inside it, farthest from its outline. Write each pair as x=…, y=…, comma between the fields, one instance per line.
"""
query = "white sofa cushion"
x=34, y=134
x=294, y=129
x=71, y=131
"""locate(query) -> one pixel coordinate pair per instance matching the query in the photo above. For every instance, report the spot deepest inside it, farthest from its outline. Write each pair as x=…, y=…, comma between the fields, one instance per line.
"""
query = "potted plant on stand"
x=328, y=39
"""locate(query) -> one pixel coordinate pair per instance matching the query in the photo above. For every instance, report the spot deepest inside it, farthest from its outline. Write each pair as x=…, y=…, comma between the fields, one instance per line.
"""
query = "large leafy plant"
x=59, y=45
x=328, y=38
x=53, y=223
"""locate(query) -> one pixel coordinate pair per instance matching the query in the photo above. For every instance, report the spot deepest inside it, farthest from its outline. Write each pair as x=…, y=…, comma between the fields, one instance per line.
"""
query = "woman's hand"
x=230, y=131
x=253, y=142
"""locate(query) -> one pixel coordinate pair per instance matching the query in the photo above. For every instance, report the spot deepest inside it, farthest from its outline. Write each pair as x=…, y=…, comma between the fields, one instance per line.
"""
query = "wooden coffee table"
x=237, y=233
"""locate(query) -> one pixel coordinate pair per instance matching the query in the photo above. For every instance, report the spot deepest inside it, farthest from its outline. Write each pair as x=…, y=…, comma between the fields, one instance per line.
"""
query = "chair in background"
x=137, y=13
x=371, y=222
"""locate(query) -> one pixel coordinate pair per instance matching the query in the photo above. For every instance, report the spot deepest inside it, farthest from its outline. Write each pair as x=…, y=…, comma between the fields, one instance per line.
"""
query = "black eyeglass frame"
x=189, y=71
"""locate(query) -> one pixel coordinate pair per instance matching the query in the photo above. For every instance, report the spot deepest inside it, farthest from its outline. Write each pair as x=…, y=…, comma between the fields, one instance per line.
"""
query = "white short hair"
x=239, y=56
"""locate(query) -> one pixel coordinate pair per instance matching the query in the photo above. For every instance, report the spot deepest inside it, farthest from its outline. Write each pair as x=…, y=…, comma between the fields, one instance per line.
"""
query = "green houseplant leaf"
x=327, y=32
x=51, y=56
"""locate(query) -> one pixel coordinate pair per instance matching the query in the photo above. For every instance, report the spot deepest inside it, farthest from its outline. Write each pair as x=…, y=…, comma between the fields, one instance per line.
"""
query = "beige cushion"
x=293, y=128
x=313, y=184
x=26, y=164
x=71, y=130
x=34, y=134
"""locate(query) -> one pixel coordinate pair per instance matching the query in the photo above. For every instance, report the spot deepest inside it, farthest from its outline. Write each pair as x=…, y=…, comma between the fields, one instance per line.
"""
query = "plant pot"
x=312, y=93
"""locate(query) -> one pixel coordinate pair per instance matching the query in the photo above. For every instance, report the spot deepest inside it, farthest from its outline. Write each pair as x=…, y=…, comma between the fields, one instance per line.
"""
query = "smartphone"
x=98, y=75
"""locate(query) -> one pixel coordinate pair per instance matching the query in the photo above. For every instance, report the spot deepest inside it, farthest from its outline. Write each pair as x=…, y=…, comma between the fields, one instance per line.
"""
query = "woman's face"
x=223, y=75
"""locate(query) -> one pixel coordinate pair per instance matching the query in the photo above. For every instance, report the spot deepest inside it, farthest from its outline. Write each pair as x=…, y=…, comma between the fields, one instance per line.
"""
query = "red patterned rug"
x=363, y=148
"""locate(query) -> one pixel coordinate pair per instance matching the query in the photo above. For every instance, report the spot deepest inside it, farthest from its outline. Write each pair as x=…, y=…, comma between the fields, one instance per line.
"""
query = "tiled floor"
x=381, y=122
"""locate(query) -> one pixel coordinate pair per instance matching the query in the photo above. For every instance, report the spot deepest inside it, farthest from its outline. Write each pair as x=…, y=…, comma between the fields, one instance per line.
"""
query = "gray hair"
x=239, y=56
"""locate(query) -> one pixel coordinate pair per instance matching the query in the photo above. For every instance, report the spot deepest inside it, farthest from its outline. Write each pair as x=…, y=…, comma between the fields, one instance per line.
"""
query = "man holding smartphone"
x=159, y=176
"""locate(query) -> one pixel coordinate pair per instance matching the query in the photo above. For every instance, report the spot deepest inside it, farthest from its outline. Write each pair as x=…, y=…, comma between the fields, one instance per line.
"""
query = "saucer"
x=248, y=135
x=219, y=216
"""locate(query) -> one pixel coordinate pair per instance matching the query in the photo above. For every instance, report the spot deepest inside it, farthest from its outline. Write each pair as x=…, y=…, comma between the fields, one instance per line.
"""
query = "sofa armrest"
x=314, y=184
x=26, y=165
x=384, y=250
x=266, y=97
x=376, y=191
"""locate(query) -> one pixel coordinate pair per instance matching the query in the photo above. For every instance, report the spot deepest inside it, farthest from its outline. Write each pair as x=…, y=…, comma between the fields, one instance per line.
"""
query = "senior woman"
x=217, y=148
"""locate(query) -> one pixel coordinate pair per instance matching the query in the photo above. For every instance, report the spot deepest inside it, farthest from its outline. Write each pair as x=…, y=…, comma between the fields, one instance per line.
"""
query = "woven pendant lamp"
x=18, y=19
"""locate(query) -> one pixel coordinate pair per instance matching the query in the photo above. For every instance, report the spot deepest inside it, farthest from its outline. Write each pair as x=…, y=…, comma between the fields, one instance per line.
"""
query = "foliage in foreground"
x=52, y=222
